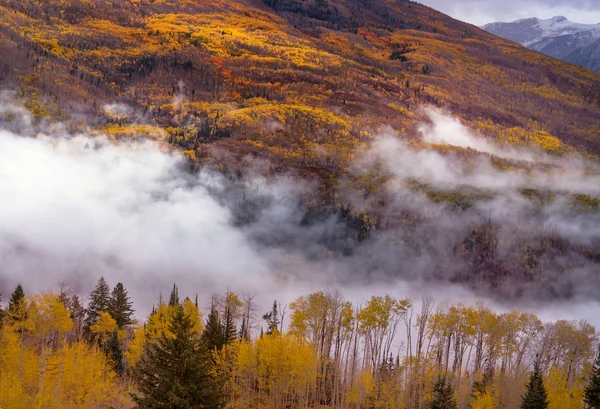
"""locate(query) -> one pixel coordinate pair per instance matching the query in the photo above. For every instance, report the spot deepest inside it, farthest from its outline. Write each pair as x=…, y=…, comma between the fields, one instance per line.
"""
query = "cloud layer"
x=480, y=12
x=78, y=207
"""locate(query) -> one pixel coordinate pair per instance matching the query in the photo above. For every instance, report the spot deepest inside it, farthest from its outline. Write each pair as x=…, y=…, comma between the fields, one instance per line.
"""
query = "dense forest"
x=320, y=351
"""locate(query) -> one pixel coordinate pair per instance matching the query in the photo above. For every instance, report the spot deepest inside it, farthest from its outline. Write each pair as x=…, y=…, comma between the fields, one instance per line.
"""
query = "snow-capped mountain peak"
x=557, y=37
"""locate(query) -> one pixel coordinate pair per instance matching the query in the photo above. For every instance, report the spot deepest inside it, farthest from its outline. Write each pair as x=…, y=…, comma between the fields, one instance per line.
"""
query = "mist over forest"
x=493, y=221
x=283, y=204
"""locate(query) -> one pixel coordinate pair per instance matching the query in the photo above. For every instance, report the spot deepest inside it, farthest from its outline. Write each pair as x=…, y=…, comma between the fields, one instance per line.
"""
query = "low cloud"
x=77, y=207
x=480, y=12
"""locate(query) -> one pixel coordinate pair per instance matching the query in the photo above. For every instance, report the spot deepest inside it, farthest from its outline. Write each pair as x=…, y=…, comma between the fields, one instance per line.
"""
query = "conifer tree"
x=229, y=314
x=99, y=302
x=115, y=353
x=272, y=319
x=16, y=298
x=443, y=395
x=174, y=298
x=244, y=333
x=120, y=306
x=535, y=397
x=591, y=396
x=212, y=336
x=174, y=371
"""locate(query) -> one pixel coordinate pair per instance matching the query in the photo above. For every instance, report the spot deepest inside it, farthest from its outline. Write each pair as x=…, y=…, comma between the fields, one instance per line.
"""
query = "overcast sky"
x=480, y=12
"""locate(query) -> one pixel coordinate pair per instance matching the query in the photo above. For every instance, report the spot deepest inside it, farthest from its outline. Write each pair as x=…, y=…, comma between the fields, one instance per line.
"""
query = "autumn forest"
x=321, y=351
x=254, y=150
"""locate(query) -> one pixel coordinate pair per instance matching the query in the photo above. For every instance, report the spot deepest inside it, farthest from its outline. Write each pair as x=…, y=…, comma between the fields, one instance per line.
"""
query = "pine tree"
x=17, y=297
x=244, y=333
x=536, y=396
x=212, y=336
x=115, y=353
x=99, y=302
x=272, y=319
x=443, y=395
x=120, y=306
x=591, y=396
x=174, y=371
x=229, y=314
x=174, y=298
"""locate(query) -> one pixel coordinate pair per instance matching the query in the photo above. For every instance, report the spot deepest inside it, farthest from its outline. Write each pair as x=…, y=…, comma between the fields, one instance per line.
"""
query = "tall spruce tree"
x=174, y=371
x=99, y=302
x=212, y=336
x=535, y=397
x=591, y=395
x=120, y=306
x=229, y=313
x=443, y=395
x=16, y=298
x=115, y=352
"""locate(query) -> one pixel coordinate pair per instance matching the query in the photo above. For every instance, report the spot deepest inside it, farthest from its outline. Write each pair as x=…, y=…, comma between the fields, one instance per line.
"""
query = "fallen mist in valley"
x=449, y=207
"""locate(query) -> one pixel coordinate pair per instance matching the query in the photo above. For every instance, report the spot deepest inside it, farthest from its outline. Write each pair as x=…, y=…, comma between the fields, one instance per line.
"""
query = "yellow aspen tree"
x=135, y=348
x=560, y=395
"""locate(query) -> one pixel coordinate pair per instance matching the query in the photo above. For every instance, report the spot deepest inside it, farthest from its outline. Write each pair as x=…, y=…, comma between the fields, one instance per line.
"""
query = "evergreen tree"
x=535, y=397
x=443, y=395
x=272, y=319
x=229, y=329
x=17, y=297
x=120, y=306
x=174, y=298
x=174, y=371
x=244, y=333
x=591, y=396
x=212, y=336
x=99, y=302
x=115, y=353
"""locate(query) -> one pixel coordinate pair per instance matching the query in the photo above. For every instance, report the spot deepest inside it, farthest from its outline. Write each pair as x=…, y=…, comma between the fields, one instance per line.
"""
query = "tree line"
x=319, y=351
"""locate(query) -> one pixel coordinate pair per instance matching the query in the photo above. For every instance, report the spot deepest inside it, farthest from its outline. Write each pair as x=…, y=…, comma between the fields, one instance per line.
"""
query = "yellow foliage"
x=484, y=401
x=76, y=375
x=278, y=365
x=560, y=394
x=158, y=323
x=48, y=313
x=135, y=348
x=105, y=324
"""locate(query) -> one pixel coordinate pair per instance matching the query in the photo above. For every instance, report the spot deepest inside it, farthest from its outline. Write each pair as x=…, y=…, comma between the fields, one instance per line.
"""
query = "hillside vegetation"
x=303, y=88
x=301, y=83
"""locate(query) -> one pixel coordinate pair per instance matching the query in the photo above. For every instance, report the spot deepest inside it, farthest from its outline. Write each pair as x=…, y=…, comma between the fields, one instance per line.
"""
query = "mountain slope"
x=312, y=90
x=556, y=37
x=586, y=56
x=348, y=66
